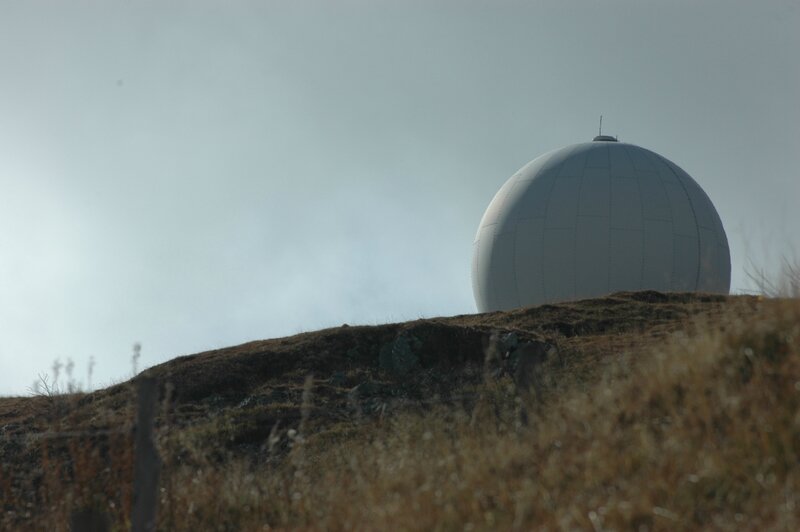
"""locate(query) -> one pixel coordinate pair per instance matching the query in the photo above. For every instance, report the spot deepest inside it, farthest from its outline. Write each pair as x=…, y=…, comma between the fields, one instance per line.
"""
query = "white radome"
x=594, y=218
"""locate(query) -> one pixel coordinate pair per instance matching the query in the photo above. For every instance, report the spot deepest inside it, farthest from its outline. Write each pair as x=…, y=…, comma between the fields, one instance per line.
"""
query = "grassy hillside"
x=661, y=411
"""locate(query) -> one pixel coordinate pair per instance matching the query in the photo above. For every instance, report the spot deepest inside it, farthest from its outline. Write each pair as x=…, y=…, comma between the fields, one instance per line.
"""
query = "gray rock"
x=509, y=341
x=398, y=357
x=338, y=379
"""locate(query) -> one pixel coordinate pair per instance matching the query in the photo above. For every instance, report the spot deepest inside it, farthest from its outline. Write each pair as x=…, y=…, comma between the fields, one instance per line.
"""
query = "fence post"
x=147, y=463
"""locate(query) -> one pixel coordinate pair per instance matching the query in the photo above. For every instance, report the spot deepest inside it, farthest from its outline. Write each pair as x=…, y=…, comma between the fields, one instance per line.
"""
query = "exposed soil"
x=365, y=370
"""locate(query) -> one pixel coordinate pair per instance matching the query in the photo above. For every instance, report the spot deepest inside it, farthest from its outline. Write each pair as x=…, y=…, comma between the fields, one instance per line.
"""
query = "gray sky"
x=193, y=174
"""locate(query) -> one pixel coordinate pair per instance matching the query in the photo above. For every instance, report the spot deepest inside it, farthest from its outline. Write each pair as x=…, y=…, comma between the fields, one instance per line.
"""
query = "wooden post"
x=147, y=463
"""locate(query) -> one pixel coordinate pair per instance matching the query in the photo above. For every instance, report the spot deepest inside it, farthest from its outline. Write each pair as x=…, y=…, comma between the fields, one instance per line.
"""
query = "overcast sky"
x=192, y=175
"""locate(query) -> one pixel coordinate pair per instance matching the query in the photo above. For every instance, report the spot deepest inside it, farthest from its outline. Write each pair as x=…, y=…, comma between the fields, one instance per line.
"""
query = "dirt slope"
x=226, y=402
x=442, y=355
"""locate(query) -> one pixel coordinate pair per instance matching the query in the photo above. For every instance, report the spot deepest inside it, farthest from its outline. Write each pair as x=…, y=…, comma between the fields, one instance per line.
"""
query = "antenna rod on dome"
x=600, y=129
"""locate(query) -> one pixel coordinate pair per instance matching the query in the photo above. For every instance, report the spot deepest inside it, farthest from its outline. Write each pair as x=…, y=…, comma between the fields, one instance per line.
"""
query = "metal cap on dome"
x=603, y=138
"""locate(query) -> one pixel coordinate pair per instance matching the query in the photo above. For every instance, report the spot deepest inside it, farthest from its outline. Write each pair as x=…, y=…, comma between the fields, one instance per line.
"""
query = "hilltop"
x=660, y=411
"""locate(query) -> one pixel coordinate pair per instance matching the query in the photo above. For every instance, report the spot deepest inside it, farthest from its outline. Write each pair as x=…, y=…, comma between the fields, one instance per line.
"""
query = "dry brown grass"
x=703, y=433
x=699, y=430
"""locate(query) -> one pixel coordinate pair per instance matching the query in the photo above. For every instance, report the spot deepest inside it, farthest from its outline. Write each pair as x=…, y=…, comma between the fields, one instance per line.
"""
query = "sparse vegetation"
x=785, y=284
x=662, y=412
